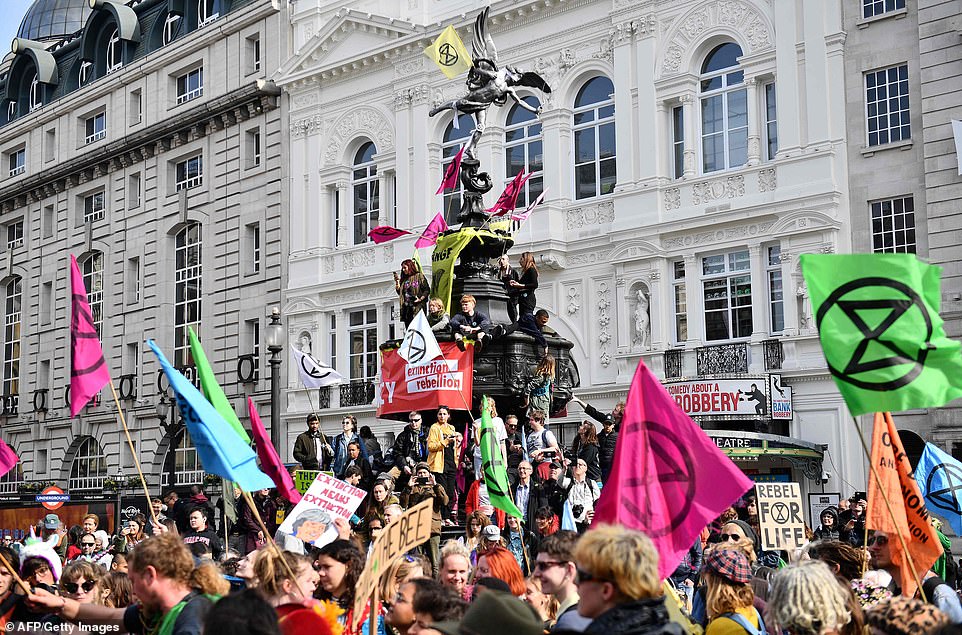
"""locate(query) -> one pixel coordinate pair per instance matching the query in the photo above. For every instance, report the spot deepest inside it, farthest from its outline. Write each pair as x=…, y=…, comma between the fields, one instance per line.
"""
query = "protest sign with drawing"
x=312, y=519
x=780, y=515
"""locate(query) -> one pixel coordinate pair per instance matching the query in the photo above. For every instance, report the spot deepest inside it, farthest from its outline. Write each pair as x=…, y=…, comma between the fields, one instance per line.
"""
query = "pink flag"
x=384, y=233
x=432, y=231
x=509, y=198
x=270, y=462
x=450, y=179
x=8, y=458
x=668, y=479
x=88, y=370
x=523, y=216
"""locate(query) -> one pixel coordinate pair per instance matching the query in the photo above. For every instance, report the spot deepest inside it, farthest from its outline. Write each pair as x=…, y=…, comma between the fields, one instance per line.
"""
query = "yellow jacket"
x=436, y=445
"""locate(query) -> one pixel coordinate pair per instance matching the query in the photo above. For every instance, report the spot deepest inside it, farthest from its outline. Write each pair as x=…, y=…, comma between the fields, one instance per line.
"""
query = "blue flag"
x=940, y=478
x=221, y=451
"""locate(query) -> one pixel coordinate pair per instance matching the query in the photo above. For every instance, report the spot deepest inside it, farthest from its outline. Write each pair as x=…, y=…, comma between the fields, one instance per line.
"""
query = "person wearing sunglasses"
x=81, y=582
x=88, y=549
x=555, y=568
x=937, y=592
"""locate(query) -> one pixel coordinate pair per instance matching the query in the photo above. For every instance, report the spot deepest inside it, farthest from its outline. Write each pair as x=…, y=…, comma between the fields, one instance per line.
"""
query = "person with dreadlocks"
x=807, y=599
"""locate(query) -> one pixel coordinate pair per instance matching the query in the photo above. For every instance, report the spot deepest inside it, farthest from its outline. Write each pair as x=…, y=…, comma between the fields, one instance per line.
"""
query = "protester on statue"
x=470, y=323
x=582, y=494
x=848, y=563
x=412, y=289
x=201, y=532
x=341, y=442
x=500, y=434
x=339, y=565
x=434, y=602
x=585, y=446
x=555, y=568
x=162, y=573
x=936, y=591
x=538, y=391
x=542, y=444
x=443, y=442
x=311, y=448
x=807, y=599
x=618, y=584
x=508, y=275
x=455, y=570
x=421, y=488
x=438, y=318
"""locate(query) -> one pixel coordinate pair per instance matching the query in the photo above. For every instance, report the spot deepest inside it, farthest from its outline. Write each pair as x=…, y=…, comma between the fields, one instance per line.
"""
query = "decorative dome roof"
x=48, y=20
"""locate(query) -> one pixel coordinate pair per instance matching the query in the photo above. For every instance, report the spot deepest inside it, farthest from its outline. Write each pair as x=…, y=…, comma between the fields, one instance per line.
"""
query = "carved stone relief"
x=729, y=187
x=362, y=120
x=604, y=321
x=578, y=217
x=672, y=198
x=720, y=235
x=767, y=181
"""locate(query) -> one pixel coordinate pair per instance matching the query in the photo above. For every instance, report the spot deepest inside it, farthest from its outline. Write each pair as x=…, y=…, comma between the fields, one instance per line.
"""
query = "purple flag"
x=430, y=235
x=88, y=370
x=270, y=461
x=8, y=458
x=385, y=233
x=509, y=197
x=450, y=179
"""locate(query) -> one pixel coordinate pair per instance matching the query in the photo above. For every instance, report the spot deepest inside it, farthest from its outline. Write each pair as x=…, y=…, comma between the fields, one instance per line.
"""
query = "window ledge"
x=868, y=151
x=864, y=23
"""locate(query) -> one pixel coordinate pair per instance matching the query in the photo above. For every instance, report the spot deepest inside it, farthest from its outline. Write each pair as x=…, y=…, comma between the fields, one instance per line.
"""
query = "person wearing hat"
x=421, y=488
x=51, y=526
x=494, y=612
x=619, y=589
x=729, y=597
x=490, y=537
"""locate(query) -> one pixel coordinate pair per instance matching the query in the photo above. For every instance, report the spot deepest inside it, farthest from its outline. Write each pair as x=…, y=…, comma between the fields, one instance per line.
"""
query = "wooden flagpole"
x=16, y=577
x=273, y=545
x=133, y=453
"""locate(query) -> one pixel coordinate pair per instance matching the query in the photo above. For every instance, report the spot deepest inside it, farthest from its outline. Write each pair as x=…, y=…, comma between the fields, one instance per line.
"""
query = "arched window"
x=84, y=74
x=115, y=57
x=171, y=27
x=364, y=184
x=206, y=11
x=11, y=337
x=187, y=290
x=89, y=467
x=36, y=93
x=594, y=128
x=724, y=110
x=454, y=138
x=524, y=150
x=93, y=273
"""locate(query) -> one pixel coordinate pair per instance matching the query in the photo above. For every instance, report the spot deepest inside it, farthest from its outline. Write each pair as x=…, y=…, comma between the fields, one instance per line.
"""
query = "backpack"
x=745, y=624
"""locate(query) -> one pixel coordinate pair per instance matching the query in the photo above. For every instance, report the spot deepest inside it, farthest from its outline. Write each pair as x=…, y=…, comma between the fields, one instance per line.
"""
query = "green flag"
x=212, y=390
x=878, y=320
x=492, y=465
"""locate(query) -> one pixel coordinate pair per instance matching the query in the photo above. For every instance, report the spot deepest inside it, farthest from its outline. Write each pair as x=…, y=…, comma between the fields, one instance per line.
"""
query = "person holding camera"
x=443, y=442
x=409, y=447
x=582, y=494
x=422, y=487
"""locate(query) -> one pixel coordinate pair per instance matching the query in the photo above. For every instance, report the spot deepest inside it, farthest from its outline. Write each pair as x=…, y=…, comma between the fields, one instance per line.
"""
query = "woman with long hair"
x=585, y=446
x=807, y=599
x=729, y=598
x=81, y=582
x=544, y=603
x=339, y=565
x=497, y=562
x=509, y=275
x=135, y=532
x=274, y=579
x=341, y=441
x=473, y=525
x=526, y=284
x=540, y=387
x=412, y=289
x=117, y=590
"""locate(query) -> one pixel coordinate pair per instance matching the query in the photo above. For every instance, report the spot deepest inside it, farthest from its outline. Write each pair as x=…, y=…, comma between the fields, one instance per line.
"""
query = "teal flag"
x=492, y=465
x=221, y=452
x=878, y=321
x=940, y=478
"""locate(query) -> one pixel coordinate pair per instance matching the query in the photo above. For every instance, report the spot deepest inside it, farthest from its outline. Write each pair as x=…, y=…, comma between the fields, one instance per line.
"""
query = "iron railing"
x=722, y=359
x=323, y=397
x=673, y=363
x=774, y=355
x=357, y=393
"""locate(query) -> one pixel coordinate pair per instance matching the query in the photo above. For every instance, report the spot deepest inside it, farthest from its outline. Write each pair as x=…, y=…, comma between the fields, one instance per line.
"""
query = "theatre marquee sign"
x=742, y=397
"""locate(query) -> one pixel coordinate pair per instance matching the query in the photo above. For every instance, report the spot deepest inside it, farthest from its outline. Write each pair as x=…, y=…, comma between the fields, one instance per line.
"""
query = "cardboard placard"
x=819, y=502
x=404, y=534
x=312, y=519
x=780, y=515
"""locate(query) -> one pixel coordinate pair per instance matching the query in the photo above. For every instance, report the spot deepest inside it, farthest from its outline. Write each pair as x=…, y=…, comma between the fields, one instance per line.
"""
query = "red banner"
x=447, y=380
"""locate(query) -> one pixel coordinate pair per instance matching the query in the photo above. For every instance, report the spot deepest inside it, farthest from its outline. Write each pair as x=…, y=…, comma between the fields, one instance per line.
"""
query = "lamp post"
x=163, y=407
x=275, y=343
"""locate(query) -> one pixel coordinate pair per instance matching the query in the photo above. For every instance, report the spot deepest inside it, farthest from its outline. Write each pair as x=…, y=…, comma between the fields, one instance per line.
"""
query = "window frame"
x=907, y=112
x=17, y=161
x=93, y=213
x=207, y=12
x=596, y=122
x=188, y=288
x=184, y=92
x=728, y=274
x=723, y=93
x=187, y=177
x=12, y=335
x=369, y=183
x=88, y=469
x=367, y=358
x=525, y=141
x=35, y=99
x=775, y=286
x=877, y=8
x=172, y=26
x=114, y=58
x=893, y=216
x=92, y=270
x=92, y=134
x=679, y=293
x=16, y=229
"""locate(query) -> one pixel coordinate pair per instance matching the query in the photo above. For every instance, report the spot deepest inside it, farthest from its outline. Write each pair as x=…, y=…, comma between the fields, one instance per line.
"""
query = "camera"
x=422, y=480
x=826, y=477
x=577, y=510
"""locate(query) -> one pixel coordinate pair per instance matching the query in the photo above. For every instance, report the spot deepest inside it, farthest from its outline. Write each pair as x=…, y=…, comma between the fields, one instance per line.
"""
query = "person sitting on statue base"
x=470, y=324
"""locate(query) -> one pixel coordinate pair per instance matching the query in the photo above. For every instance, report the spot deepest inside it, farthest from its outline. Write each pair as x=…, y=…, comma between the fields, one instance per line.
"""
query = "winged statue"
x=488, y=84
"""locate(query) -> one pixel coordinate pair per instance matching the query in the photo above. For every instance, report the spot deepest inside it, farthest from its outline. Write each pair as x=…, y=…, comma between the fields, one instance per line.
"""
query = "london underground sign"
x=52, y=498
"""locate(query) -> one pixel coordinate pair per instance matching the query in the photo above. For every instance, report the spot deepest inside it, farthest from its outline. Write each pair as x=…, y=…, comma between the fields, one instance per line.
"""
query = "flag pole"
x=888, y=506
x=133, y=453
x=270, y=540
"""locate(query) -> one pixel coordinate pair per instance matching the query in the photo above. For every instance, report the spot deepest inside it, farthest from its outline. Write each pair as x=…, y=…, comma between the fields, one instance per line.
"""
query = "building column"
x=759, y=297
x=689, y=104
x=556, y=142
x=345, y=213
x=754, y=124
x=786, y=72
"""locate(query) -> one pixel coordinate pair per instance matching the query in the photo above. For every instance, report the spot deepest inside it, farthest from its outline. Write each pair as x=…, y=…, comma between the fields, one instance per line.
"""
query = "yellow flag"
x=449, y=53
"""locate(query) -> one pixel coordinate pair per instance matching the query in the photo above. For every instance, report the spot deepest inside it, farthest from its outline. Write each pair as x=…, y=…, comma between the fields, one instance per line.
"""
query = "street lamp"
x=275, y=344
x=163, y=407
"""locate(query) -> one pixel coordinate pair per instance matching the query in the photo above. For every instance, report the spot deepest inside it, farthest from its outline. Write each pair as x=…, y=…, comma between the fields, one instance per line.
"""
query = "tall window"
x=594, y=128
x=11, y=337
x=776, y=300
x=254, y=53
x=333, y=341
x=96, y=127
x=95, y=206
x=362, y=334
x=36, y=93
x=89, y=467
x=727, y=285
x=187, y=467
x=115, y=57
x=189, y=173
x=678, y=141
x=887, y=105
x=771, y=121
x=524, y=150
x=724, y=110
x=190, y=85
x=93, y=273
x=187, y=289
x=893, y=226
x=364, y=184
x=872, y=8
x=18, y=161
x=454, y=138
x=681, y=301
